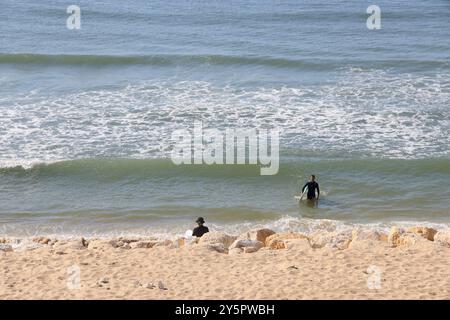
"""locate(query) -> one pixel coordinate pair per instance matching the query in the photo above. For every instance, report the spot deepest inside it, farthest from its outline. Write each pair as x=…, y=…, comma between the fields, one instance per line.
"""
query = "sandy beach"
x=357, y=264
x=311, y=138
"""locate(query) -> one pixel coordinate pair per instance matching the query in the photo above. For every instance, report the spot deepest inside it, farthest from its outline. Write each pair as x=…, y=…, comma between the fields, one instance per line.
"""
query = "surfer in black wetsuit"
x=312, y=185
x=201, y=229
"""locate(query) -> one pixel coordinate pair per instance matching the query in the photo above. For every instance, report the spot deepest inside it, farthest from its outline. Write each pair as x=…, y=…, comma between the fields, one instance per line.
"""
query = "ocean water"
x=87, y=115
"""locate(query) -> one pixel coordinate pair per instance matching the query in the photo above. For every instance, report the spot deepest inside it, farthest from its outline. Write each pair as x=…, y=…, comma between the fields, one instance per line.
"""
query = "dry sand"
x=304, y=269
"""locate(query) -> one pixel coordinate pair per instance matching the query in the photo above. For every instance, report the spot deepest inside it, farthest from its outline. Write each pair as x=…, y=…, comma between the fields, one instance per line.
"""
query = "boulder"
x=394, y=236
x=384, y=237
x=116, y=243
x=362, y=237
x=275, y=244
x=359, y=234
x=149, y=285
x=217, y=237
x=277, y=240
x=251, y=249
x=297, y=244
x=217, y=247
x=335, y=240
x=427, y=233
x=247, y=245
x=406, y=239
x=257, y=235
x=442, y=238
x=399, y=237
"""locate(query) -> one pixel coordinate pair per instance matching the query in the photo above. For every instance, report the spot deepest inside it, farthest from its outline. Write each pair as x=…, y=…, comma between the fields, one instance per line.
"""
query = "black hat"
x=200, y=220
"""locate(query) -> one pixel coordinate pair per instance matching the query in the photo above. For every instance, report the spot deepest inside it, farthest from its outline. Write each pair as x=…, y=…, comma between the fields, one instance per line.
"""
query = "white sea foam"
x=369, y=112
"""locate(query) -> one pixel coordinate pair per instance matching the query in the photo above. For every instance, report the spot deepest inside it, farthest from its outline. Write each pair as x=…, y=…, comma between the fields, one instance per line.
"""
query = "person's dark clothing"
x=312, y=186
x=199, y=231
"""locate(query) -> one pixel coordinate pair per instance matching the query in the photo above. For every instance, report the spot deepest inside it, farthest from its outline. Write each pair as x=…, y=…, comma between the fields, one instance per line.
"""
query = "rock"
x=125, y=246
x=383, y=237
x=218, y=247
x=142, y=244
x=217, y=237
x=148, y=285
x=366, y=237
x=359, y=234
x=115, y=243
x=442, y=238
x=42, y=240
x=257, y=235
x=277, y=240
x=427, y=233
x=411, y=239
x=394, y=236
x=6, y=247
x=335, y=240
x=247, y=245
x=408, y=239
x=251, y=249
x=399, y=237
x=216, y=241
x=276, y=244
x=161, y=286
x=297, y=244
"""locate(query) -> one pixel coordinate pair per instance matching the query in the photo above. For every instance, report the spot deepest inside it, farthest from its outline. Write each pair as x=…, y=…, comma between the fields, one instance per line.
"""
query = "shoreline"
x=286, y=223
x=259, y=264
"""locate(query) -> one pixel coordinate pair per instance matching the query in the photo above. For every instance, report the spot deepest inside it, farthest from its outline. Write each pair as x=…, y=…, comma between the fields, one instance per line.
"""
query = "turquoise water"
x=87, y=115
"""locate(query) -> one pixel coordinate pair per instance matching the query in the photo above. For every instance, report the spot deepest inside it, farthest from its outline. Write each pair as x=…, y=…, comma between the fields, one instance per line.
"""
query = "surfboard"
x=302, y=196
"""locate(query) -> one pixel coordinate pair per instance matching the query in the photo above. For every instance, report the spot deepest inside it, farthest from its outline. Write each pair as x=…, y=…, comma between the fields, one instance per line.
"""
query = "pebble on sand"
x=6, y=247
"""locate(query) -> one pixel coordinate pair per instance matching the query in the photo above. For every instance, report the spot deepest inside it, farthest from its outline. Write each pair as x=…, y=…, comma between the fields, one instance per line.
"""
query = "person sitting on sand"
x=201, y=229
x=312, y=185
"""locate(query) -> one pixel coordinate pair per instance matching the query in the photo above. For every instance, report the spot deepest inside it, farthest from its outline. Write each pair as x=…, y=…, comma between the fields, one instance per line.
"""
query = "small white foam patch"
x=371, y=112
